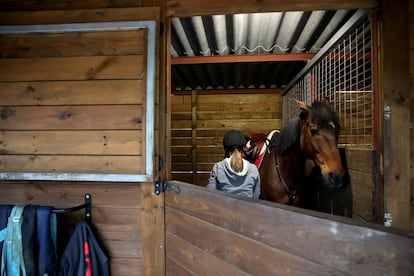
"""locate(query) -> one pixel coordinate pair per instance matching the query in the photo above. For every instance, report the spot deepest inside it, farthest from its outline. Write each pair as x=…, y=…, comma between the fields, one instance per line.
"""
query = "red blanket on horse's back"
x=256, y=147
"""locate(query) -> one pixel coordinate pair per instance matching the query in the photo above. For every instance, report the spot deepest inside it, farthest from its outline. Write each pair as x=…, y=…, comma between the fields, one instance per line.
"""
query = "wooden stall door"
x=213, y=233
x=74, y=119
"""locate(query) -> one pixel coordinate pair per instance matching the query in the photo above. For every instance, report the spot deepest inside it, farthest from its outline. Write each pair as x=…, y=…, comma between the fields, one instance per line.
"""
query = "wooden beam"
x=186, y=8
x=229, y=91
x=242, y=58
x=394, y=83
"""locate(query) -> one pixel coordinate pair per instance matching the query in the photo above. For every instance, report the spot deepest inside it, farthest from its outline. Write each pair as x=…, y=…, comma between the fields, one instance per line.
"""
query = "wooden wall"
x=199, y=121
x=74, y=103
x=360, y=168
x=213, y=233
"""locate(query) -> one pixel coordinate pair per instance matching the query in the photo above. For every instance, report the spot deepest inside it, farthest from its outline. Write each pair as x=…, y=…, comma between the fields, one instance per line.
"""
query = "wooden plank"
x=79, y=16
x=238, y=99
x=359, y=159
x=94, y=92
x=394, y=83
x=243, y=126
x=191, y=258
x=71, y=117
x=309, y=235
x=74, y=44
x=125, y=142
x=72, y=164
x=243, y=115
x=185, y=8
x=73, y=4
x=153, y=231
x=362, y=207
x=361, y=182
x=68, y=194
x=223, y=242
x=72, y=68
x=125, y=266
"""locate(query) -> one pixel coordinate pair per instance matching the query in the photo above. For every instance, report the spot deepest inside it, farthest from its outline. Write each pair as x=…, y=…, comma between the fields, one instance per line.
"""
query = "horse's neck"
x=293, y=164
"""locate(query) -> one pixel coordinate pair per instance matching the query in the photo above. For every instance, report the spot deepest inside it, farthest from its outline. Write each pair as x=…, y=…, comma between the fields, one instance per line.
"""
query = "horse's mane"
x=289, y=134
x=322, y=115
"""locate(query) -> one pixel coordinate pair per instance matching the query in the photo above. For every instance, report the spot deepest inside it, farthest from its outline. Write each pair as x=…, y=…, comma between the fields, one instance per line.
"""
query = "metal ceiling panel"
x=244, y=34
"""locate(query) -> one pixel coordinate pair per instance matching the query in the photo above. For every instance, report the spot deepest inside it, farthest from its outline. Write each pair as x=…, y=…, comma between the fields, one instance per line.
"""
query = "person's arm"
x=256, y=192
x=212, y=179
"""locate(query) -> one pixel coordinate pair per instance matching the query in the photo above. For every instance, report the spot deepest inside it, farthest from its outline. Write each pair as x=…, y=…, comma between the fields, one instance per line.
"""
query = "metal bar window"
x=343, y=76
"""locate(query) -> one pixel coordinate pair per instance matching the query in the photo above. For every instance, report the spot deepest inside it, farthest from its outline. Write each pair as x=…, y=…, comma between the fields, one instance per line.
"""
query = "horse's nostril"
x=335, y=180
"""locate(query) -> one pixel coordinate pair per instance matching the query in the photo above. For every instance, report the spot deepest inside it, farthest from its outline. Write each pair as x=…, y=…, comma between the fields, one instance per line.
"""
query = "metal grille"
x=344, y=76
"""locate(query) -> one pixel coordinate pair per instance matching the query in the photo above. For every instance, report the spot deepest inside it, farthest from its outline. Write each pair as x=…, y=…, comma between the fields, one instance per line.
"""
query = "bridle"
x=290, y=193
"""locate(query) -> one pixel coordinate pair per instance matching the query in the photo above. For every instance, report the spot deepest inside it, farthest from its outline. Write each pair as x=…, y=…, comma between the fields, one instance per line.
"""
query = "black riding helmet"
x=233, y=139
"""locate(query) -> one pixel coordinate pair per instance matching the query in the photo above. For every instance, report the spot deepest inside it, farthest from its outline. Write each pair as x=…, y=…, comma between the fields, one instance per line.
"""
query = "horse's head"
x=319, y=140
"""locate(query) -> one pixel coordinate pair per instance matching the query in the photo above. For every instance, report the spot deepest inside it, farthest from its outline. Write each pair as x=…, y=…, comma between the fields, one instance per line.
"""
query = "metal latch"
x=161, y=186
x=387, y=112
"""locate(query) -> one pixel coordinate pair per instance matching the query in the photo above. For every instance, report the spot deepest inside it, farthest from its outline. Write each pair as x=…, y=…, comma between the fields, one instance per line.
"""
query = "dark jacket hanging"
x=83, y=256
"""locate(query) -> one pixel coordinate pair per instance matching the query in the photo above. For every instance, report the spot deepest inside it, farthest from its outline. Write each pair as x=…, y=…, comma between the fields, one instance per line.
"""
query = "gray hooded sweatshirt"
x=245, y=183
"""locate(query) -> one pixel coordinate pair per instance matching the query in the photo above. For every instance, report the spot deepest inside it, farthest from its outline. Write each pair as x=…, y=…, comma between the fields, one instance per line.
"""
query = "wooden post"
x=194, y=134
x=394, y=84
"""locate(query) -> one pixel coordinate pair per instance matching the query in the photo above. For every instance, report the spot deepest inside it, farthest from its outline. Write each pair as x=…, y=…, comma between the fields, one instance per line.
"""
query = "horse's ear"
x=303, y=106
x=327, y=101
x=304, y=109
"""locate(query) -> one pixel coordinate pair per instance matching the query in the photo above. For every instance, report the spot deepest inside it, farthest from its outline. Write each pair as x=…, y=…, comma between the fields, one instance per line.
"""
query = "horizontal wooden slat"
x=125, y=142
x=79, y=15
x=73, y=44
x=71, y=117
x=249, y=255
x=72, y=68
x=125, y=266
x=193, y=259
x=262, y=124
x=73, y=4
x=94, y=92
x=72, y=164
x=64, y=194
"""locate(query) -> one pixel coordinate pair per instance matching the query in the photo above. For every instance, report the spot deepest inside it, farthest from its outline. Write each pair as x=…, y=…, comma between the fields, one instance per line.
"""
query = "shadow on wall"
x=318, y=197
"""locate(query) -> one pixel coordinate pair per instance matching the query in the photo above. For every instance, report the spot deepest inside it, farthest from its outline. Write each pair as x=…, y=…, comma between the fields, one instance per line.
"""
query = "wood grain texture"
x=116, y=214
x=128, y=142
x=313, y=239
x=72, y=68
x=89, y=92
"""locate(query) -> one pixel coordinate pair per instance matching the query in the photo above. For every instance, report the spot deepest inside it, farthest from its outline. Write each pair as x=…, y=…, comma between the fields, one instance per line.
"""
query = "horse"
x=281, y=155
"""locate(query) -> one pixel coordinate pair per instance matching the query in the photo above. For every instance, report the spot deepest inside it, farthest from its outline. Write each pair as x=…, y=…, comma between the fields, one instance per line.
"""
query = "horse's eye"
x=313, y=130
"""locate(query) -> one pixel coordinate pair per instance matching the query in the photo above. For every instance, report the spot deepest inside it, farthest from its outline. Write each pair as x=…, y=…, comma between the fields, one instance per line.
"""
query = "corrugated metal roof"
x=248, y=34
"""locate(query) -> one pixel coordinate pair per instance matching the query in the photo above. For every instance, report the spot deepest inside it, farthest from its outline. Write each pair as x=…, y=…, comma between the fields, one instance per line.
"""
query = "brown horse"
x=312, y=135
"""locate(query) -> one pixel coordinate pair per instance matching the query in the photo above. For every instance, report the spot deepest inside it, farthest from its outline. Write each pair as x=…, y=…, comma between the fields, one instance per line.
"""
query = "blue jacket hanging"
x=83, y=256
x=4, y=217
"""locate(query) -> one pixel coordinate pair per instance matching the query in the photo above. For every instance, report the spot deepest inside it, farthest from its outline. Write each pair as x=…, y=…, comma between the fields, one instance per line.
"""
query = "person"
x=234, y=174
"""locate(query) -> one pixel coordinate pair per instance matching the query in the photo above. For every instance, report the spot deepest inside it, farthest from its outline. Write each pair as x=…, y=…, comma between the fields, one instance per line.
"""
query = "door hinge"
x=161, y=186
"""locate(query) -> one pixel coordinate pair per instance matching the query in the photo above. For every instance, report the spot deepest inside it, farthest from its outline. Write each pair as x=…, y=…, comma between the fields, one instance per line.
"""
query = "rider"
x=234, y=174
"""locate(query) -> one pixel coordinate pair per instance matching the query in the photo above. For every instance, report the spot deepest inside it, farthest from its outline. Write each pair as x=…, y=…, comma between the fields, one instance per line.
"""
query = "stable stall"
x=89, y=105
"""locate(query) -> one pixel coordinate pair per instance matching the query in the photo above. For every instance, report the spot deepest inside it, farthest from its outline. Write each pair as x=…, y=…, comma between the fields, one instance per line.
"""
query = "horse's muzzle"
x=335, y=180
